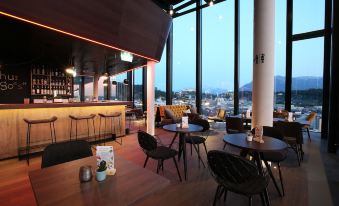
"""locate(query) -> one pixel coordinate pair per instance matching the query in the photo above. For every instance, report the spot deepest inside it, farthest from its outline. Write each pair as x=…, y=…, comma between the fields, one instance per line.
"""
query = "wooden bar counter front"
x=13, y=129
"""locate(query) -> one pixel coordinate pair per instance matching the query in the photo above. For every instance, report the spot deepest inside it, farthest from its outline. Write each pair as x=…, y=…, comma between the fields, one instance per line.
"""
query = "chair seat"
x=251, y=187
x=40, y=121
x=82, y=117
x=115, y=114
x=277, y=156
x=195, y=140
x=162, y=152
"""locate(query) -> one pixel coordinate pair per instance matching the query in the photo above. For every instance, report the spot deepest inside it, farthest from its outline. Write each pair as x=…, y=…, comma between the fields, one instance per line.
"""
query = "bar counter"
x=13, y=128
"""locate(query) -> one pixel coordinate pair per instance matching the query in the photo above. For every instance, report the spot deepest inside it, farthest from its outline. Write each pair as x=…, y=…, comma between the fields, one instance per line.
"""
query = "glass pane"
x=246, y=54
x=184, y=48
x=308, y=15
x=138, y=88
x=119, y=90
x=280, y=54
x=160, y=80
x=307, y=77
x=218, y=58
x=88, y=89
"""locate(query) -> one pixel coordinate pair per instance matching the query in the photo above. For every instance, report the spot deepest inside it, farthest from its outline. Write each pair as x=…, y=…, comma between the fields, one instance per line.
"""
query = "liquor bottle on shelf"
x=33, y=90
x=43, y=70
x=37, y=90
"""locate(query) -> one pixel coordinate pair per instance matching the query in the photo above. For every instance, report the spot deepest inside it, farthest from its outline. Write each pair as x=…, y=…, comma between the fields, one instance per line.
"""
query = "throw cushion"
x=193, y=116
x=170, y=115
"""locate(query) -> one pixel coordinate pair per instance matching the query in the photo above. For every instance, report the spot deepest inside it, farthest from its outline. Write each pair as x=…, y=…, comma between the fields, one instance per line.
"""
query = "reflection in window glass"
x=88, y=89
x=119, y=91
x=137, y=88
x=184, y=47
x=160, y=80
x=280, y=54
x=308, y=15
x=307, y=77
x=246, y=54
x=218, y=58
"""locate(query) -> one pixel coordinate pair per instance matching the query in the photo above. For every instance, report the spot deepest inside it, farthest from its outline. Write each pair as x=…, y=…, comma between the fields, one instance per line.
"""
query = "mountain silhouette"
x=298, y=83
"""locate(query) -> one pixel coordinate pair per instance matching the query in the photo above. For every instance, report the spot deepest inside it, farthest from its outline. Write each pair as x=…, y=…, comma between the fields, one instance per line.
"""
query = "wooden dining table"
x=60, y=185
x=184, y=133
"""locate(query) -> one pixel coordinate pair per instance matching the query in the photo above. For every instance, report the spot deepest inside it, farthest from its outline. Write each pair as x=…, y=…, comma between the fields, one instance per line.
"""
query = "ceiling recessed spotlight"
x=211, y=3
x=171, y=11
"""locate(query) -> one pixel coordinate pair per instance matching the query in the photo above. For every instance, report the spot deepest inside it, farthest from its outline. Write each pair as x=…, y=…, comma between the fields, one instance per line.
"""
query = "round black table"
x=257, y=149
x=183, y=133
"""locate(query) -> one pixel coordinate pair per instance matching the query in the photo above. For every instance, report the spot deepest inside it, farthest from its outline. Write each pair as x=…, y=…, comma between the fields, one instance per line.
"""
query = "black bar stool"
x=30, y=122
x=79, y=118
x=115, y=115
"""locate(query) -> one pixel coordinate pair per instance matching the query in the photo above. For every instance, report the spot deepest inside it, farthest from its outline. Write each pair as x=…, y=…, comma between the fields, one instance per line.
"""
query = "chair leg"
x=176, y=166
x=28, y=143
x=216, y=195
x=262, y=199
x=281, y=180
x=225, y=195
x=298, y=155
x=146, y=161
x=87, y=129
x=159, y=165
x=191, y=149
x=95, y=137
x=198, y=154
x=250, y=201
x=70, y=131
x=50, y=128
x=99, y=128
x=76, y=130
x=224, y=146
x=205, y=147
x=54, y=132
x=309, y=136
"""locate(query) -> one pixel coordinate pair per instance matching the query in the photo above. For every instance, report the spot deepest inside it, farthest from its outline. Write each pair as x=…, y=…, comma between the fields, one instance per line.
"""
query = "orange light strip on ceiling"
x=73, y=35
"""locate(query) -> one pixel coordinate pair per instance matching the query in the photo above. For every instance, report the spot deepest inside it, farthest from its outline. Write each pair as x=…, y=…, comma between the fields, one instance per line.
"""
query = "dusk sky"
x=218, y=38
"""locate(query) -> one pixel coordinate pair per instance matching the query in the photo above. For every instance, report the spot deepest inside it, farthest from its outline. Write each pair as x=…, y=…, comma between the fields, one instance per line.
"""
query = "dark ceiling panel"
x=137, y=26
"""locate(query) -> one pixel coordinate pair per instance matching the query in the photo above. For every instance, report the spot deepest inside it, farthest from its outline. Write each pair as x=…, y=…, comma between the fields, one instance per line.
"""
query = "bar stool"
x=115, y=115
x=79, y=118
x=30, y=122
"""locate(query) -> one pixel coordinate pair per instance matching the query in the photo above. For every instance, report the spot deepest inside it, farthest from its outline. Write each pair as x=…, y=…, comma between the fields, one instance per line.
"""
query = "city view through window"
x=218, y=59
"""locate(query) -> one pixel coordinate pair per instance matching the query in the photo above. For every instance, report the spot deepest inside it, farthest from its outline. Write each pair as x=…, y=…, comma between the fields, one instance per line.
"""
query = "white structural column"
x=263, y=63
x=150, y=96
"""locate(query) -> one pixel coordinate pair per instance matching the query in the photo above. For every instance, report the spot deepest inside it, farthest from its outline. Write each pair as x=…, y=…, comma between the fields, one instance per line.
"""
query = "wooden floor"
x=305, y=185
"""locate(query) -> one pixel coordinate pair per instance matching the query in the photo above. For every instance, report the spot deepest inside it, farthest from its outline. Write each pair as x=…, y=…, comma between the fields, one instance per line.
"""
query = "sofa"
x=178, y=112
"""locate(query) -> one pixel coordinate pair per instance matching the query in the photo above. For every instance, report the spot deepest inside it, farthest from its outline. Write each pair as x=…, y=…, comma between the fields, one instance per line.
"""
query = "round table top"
x=191, y=128
x=240, y=140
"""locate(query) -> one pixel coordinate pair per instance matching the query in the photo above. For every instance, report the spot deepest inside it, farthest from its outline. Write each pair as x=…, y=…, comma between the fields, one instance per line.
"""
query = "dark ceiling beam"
x=194, y=9
x=189, y=3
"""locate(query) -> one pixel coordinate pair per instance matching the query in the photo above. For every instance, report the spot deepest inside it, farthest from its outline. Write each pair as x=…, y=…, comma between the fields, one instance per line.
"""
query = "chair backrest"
x=64, y=152
x=282, y=114
x=234, y=124
x=311, y=116
x=228, y=168
x=146, y=141
x=291, y=129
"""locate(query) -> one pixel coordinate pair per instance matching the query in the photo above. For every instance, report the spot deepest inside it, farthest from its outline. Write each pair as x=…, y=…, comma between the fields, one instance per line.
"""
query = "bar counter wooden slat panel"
x=13, y=129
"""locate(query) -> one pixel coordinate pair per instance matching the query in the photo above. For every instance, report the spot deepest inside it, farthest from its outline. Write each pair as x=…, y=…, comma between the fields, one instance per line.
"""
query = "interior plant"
x=101, y=171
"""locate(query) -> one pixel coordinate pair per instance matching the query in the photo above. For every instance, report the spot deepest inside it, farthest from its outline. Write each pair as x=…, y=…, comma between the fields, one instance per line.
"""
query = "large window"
x=308, y=15
x=88, y=88
x=218, y=58
x=160, y=80
x=280, y=54
x=137, y=88
x=307, y=76
x=246, y=54
x=119, y=91
x=184, y=66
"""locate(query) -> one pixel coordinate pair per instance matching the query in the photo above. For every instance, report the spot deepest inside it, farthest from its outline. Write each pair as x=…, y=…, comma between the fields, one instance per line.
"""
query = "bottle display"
x=47, y=81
